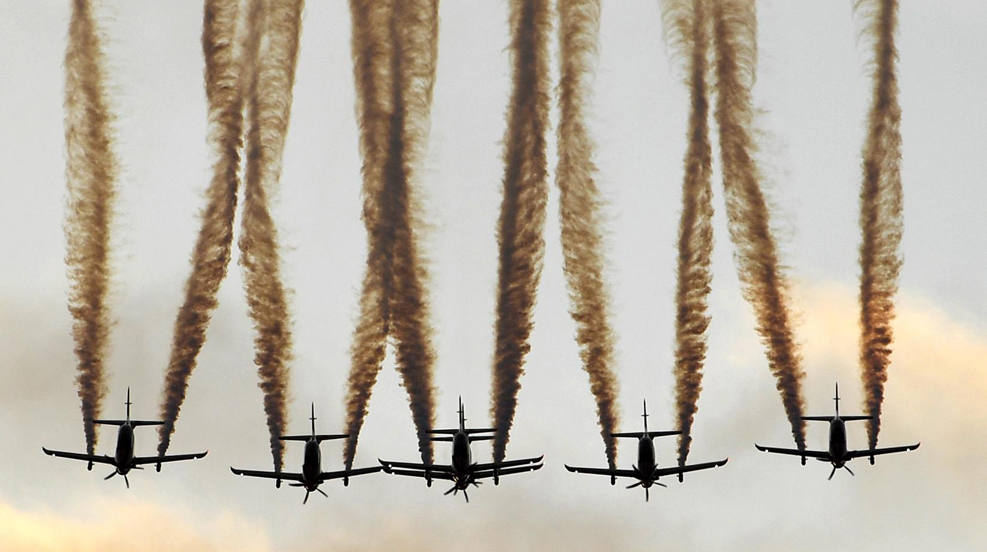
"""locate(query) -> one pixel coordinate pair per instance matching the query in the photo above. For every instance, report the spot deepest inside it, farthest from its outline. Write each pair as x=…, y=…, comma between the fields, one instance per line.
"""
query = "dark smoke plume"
x=268, y=111
x=579, y=24
x=522, y=214
x=90, y=171
x=414, y=33
x=765, y=286
x=394, y=64
x=880, y=215
x=211, y=255
x=687, y=22
x=372, y=52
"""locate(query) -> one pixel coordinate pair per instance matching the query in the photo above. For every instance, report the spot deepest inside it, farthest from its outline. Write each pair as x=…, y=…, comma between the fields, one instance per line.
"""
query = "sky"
x=812, y=92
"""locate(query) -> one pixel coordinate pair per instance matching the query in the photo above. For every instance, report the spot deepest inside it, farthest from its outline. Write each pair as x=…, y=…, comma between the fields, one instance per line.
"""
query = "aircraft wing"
x=692, y=467
x=286, y=476
x=414, y=473
x=821, y=454
x=432, y=468
x=482, y=474
x=80, y=456
x=325, y=476
x=138, y=460
x=508, y=464
x=603, y=471
x=877, y=451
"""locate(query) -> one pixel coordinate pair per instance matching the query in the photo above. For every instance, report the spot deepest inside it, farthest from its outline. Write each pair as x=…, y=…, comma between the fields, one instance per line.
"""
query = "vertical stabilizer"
x=313, y=419
x=837, y=399
x=128, y=403
x=645, y=416
x=462, y=415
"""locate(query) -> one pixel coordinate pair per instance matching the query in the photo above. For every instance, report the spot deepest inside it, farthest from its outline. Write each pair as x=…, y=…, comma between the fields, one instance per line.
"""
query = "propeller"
x=452, y=490
x=321, y=492
x=647, y=497
x=632, y=485
x=127, y=481
x=305, y=500
x=831, y=474
x=847, y=468
x=114, y=472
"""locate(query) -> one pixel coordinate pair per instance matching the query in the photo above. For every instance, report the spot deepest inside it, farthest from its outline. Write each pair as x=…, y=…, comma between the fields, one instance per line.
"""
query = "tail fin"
x=462, y=415
x=313, y=419
x=128, y=403
x=645, y=415
x=837, y=399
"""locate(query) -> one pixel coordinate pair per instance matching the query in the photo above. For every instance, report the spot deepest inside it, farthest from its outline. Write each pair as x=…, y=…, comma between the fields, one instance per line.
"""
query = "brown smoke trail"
x=414, y=33
x=395, y=50
x=689, y=25
x=211, y=255
x=90, y=172
x=579, y=24
x=522, y=215
x=269, y=108
x=371, y=56
x=734, y=41
x=880, y=216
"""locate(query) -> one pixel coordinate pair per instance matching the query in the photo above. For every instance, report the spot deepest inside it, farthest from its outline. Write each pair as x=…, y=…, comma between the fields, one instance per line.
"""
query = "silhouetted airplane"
x=124, y=459
x=312, y=475
x=463, y=472
x=837, y=455
x=646, y=471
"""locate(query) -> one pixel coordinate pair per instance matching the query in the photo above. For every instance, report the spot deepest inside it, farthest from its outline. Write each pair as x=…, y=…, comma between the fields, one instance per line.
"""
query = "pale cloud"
x=128, y=524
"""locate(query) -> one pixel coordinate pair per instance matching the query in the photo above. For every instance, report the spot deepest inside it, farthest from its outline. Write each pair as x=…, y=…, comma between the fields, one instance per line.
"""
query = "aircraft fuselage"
x=646, y=460
x=837, y=442
x=312, y=465
x=462, y=459
x=124, y=456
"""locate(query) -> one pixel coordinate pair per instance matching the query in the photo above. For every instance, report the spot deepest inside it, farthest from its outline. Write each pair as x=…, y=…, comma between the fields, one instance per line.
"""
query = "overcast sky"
x=813, y=87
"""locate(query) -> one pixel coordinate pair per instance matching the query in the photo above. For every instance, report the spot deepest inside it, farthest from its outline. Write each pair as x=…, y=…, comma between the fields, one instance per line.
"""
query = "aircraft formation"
x=462, y=471
x=251, y=53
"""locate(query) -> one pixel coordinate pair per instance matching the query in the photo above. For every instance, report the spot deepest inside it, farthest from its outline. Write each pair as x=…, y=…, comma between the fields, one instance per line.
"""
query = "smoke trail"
x=371, y=55
x=269, y=108
x=689, y=25
x=734, y=40
x=522, y=215
x=393, y=297
x=211, y=255
x=413, y=31
x=90, y=175
x=880, y=216
x=579, y=24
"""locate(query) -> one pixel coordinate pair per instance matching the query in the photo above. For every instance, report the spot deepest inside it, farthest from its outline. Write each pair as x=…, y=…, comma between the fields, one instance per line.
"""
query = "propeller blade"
x=137, y=467
x=632, y=485
x=466, y=496
x=847, y=468
x=296, y=484
x=661, y=484
x=111, y=475
x=125, y=480
x=321, y=492
x=831, y=473
x=305, y=500
x=647, y=496
x=449, y=491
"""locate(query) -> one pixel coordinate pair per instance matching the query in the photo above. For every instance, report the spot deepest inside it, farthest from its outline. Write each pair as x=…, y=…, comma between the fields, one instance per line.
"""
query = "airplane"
x=124, y=460
x=646, y=471
x=312, y=475
x=463, y=472
x=837, y=455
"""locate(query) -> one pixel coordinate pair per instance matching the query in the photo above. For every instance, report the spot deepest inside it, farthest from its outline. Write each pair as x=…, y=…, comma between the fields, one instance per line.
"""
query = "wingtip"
x=760, y=448
x=235, y=471
x=918, y=444
x=46, y=451
x=202, y=454
x=724, y=462
x=569, y=468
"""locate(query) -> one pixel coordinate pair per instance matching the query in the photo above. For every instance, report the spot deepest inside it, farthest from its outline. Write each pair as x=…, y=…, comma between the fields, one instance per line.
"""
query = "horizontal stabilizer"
x=474, y=438
x=318, y=438
x=817, y=418
x=468, y=431
x=854, y=418
x=639, y=434
x=442, y=439
x=133, y=423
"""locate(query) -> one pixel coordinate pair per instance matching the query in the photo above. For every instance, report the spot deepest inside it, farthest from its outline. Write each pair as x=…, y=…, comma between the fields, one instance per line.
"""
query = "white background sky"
x=814, y=87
